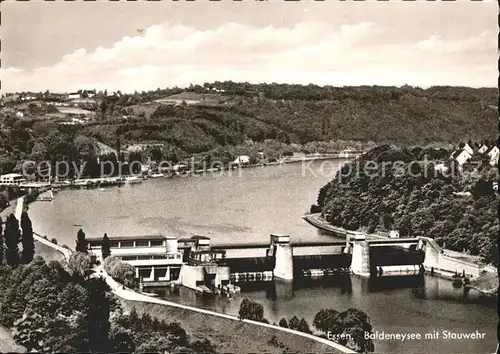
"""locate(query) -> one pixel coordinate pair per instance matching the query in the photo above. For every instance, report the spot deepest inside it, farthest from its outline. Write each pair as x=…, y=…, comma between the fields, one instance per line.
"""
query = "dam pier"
x=208, y=268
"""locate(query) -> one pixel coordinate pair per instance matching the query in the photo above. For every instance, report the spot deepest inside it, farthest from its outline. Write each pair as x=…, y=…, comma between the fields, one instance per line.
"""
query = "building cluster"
x=81, y=94
x=463, y=154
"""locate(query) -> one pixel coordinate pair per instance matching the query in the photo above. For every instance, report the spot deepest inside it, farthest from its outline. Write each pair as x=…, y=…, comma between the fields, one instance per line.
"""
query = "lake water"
x=247, y=206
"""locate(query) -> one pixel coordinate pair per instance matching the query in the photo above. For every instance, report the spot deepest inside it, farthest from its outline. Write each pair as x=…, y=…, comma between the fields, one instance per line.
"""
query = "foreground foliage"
x=49, y=309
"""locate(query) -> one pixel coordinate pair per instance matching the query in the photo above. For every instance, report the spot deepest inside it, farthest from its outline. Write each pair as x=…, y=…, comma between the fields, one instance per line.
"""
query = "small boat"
x=80, y=182
x=133, y=180
x=157, y=175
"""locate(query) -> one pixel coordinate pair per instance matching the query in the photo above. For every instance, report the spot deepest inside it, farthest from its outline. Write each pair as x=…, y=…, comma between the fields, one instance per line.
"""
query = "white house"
x=74, y=95
x=493, y=154
x=154, y=257
x=394, y=234
x=441, y=167
x=28, y=98
x=468, y=148
x=241, y=160
x=483, y=149
x=461, y=156
x=19, y=114
x=12, y=179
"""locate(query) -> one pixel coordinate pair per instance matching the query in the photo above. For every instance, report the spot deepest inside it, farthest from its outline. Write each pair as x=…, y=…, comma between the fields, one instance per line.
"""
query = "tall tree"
x=106, y=247
x=81, y=242
x=98, y=316
x=251, y=310
x=27, y=238
x=12, y=236
x=1, y=241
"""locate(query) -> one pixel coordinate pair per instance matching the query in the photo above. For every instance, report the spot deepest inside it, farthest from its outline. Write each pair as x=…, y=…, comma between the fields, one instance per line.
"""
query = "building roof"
x=457, y=153
x=129, y=238
x=11, y=175
x=490, y=149
x=198, y=237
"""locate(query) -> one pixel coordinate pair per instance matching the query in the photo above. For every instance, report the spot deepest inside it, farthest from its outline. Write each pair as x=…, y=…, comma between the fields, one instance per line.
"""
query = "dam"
x=199, y=265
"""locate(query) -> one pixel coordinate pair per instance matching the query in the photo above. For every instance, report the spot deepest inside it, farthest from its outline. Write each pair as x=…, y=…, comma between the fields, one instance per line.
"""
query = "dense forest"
x=242, y=118
x=402, y=192
x=56, y=307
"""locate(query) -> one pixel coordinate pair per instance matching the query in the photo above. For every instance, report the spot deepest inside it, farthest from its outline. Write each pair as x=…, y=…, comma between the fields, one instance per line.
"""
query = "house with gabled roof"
x=468, y=148
x=493, y=154
x=484, y=148
x=461, y=156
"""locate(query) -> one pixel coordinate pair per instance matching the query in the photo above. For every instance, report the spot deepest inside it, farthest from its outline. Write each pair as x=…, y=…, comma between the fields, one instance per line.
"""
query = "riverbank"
x=191, y=171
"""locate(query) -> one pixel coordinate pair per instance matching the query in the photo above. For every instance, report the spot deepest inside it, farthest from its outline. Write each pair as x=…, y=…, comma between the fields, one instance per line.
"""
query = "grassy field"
x=230, y=336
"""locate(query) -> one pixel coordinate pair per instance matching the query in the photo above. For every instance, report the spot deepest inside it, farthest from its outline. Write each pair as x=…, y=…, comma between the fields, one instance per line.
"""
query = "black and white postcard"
x=249, y=177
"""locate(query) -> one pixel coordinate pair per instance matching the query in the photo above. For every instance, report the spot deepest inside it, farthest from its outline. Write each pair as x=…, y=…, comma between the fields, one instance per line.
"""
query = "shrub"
x=122, y=272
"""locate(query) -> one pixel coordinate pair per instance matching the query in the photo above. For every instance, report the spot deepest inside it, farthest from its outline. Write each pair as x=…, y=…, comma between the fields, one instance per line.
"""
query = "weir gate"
x=285, y=260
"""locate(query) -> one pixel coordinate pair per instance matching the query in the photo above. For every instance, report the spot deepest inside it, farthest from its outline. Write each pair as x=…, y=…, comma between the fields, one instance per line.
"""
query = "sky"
x=66, y=46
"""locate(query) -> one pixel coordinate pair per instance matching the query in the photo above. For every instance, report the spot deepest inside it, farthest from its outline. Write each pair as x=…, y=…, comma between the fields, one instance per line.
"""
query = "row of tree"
x=347, y=327
x=13, y=233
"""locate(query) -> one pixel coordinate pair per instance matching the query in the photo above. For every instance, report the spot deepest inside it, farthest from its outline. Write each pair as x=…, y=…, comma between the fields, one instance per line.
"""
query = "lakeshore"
x=209, y=205
x=148, y=173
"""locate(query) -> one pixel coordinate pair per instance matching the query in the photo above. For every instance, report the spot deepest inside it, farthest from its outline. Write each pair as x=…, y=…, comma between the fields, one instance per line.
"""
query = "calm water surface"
x=247, y=207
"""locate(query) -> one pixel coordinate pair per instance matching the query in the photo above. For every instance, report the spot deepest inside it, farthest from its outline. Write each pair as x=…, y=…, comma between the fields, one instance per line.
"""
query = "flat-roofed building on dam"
x=156, y=258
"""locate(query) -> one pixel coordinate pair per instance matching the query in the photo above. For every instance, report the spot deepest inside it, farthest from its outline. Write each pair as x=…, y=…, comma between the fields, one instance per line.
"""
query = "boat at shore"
x=133, y=180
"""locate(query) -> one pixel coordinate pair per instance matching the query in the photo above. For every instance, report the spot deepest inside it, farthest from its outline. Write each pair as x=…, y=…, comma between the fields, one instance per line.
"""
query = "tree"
x=106, y=247
x=27, y=238
x=121, y=340
x=283, y=323
x=304, y=326
x=294, y=323
x=203, y=347
x=326, y=320
x=98, y=315
x=176, y=334
x=29, y=332
x=12, y=236
x=251, y=310
x=80, y=264
x=1, y=241
x=38, y=152
x=155, y=344
x=355, y=324
x=81, y=242
x=122, y=272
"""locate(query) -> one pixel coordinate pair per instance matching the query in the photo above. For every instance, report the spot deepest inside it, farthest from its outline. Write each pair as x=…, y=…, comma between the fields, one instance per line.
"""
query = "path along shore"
x=231, y=326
